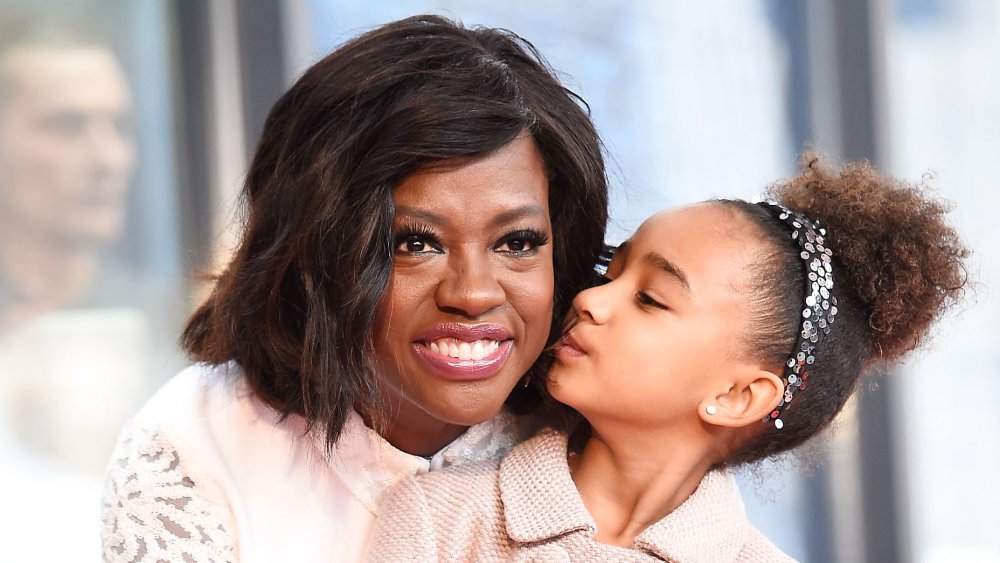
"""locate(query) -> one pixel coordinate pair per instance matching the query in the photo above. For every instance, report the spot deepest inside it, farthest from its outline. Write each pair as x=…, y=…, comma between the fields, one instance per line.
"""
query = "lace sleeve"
x=155, y=510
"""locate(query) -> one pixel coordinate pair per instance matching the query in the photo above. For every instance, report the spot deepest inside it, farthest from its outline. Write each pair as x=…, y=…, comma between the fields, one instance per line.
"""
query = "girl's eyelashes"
x=646, y=301
x=416, y=239
x=522, y=242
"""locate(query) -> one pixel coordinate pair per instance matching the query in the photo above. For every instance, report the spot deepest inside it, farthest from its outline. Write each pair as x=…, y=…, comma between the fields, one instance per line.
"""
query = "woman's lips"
x=466, y=332
x=465, y=369
x=465, y=352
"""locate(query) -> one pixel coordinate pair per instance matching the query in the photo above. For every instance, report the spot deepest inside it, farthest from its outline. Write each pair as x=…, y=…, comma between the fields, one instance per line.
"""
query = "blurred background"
x=125, y=129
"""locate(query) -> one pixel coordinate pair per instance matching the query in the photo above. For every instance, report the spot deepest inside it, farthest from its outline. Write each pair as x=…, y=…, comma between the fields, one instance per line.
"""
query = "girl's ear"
x=751, y=396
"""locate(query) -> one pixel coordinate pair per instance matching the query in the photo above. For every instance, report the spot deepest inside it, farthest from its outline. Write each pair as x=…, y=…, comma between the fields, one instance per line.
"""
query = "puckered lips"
x=465, y=352
x=569, y=347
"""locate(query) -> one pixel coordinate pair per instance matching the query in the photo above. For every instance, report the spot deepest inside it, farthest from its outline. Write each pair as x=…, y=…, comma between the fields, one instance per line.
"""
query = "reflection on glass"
x=80, y=326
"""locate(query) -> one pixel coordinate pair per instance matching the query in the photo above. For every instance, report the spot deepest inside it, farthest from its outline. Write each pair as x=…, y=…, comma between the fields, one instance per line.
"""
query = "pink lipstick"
x=492, y=344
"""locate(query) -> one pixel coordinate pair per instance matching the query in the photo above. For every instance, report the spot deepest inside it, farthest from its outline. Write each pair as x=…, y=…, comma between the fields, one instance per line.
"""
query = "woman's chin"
x=467, y=415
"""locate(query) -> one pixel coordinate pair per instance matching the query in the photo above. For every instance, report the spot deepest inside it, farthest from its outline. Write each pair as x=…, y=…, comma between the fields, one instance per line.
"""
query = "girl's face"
x=650, y=345
x=469, y=306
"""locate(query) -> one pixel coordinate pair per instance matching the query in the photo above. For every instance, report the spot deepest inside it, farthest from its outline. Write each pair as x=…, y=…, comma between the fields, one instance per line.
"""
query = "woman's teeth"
x=462, y=350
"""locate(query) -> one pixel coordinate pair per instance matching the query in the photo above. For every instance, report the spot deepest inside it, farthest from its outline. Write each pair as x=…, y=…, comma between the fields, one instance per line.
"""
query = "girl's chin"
x=557, y=389
x=558, y=374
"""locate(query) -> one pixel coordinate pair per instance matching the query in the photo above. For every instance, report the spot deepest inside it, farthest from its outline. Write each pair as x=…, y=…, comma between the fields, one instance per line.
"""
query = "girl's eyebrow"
x=660, y=262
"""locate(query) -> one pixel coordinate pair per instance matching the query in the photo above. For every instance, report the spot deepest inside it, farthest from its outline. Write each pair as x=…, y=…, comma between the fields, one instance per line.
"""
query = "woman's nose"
x=470, y=286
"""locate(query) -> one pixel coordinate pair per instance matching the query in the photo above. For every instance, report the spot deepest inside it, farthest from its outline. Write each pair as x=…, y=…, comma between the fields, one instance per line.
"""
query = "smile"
x=465, y=352
x=469, y=369
x=461, y=350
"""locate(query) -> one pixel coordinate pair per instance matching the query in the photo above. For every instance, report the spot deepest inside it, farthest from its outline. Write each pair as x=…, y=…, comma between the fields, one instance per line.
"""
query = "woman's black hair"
x=296, y=305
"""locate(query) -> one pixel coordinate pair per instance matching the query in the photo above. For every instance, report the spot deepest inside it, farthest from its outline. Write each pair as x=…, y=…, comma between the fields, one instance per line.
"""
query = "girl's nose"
x=594, y=304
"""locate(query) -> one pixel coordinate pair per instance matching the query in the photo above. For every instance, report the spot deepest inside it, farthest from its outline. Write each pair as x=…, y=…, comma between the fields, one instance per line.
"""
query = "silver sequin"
x=820, y=309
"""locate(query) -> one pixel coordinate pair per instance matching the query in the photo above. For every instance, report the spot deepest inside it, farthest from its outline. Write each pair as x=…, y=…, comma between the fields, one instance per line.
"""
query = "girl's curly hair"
x=898, y=266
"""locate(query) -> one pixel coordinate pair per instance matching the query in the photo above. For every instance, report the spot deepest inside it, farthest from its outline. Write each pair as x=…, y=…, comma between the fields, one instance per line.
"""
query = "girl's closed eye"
x=645, y=300
x=521, y=242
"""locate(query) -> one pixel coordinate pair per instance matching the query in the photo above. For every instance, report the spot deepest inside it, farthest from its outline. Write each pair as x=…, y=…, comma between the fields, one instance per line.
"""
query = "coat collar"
x=535, y=479
x=710, y=526
x=369, y=465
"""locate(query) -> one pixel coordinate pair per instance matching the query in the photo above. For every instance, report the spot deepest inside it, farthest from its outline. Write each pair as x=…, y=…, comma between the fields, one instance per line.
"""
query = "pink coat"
x=526, y=508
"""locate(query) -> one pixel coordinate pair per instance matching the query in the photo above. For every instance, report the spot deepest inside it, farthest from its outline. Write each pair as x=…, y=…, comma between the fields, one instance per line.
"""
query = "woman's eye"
x=517, y=245
x=522, y=243
x=415, y=244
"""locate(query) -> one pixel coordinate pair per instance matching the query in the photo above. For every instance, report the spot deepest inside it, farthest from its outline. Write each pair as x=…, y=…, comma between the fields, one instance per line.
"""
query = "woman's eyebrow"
x=425, y=215
x=661, y=263
x=518, y=213
x=503, y=218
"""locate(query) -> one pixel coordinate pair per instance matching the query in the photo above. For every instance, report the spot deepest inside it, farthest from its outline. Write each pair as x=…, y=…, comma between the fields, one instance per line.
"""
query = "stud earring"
x=710, y=409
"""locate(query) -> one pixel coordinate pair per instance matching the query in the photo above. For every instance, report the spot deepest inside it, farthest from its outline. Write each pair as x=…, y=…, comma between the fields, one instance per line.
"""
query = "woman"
x=422, y=204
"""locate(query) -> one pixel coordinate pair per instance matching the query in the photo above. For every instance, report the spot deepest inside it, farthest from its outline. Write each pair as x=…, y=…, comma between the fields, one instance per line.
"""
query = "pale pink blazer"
x=526, y=508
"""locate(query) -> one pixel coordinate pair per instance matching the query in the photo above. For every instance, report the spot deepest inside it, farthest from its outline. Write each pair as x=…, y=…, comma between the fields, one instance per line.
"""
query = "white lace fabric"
x=208, y=472
x=154, y=510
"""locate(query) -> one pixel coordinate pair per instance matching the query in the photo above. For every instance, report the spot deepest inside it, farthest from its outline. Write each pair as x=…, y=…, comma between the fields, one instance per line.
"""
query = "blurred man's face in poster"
x=66, y=145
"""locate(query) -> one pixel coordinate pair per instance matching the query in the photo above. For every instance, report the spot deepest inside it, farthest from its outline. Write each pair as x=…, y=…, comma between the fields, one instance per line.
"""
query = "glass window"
x=943, y=103
x=91, y=276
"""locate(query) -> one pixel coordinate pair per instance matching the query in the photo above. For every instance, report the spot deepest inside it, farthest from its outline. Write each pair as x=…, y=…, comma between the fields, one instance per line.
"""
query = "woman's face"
x=469, y=306
x=649, y=345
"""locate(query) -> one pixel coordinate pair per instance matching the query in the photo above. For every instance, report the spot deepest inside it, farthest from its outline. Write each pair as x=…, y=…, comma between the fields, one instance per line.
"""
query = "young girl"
x=727, y=332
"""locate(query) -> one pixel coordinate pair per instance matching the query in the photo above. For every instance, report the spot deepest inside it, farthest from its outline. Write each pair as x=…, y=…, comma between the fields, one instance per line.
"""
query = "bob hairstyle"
x=296, y=305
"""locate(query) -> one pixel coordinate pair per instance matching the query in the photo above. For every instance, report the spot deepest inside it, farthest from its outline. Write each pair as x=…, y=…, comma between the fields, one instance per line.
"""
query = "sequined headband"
x=820, y=305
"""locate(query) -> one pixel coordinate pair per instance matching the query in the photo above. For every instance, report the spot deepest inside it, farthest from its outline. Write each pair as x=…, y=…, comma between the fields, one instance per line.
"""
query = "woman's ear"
x=751, y=396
